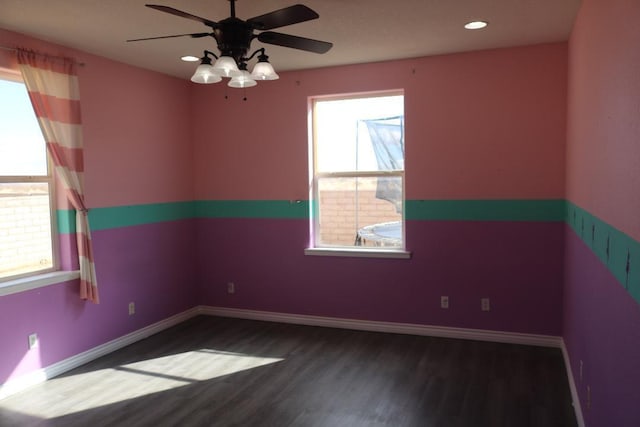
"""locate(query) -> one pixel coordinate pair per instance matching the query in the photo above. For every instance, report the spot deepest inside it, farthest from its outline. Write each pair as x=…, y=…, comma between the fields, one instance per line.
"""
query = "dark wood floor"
x=213, y=371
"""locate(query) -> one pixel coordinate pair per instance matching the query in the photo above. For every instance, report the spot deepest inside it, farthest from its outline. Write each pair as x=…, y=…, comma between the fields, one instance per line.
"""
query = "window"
x=357, y=163
x=26, y=214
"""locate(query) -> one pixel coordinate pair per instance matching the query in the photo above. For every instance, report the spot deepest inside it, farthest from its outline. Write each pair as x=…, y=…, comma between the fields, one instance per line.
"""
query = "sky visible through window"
x=21, y=142
x=355, y=190
x=339, y=145
x=25, y=211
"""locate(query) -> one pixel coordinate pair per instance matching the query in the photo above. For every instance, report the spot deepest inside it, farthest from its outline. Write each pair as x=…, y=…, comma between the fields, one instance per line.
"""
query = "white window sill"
x=358, y=253
x=36, y=281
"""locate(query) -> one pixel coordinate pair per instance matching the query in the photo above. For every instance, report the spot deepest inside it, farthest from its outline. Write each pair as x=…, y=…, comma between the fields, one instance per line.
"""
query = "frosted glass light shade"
x=205, y=74
x=225, y=66
x=241, y=79
x=264, y=71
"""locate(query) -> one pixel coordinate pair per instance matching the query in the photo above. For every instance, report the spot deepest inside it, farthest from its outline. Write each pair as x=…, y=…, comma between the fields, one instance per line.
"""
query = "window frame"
x=315, y=247
x=40, y=277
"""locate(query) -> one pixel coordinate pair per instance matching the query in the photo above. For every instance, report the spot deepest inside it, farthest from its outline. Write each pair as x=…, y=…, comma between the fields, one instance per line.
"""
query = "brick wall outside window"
x=338, y=213
x=25, y=230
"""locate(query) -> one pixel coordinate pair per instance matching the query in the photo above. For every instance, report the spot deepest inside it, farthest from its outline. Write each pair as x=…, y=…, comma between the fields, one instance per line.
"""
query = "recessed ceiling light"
x=190, y=58
x=475, y=25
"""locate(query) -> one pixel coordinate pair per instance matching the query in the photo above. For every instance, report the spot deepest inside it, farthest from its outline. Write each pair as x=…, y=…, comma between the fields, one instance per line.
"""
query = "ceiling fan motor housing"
x=234, y=38
x=234, y=35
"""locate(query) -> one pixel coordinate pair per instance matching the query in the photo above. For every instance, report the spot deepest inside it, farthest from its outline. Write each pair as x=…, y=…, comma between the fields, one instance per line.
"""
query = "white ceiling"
x=361, y=30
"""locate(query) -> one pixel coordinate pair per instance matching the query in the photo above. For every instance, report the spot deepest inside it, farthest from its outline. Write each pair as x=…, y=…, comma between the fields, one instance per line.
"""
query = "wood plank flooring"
x=212, y=371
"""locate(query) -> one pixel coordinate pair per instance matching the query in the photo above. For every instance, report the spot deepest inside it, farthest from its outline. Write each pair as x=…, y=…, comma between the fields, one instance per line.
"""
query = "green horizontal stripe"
x=66, y=219
x=125, y=216
x=486, y=210
x=285, y=209
x=613, y=247
x=452, y=210
x=618, y=251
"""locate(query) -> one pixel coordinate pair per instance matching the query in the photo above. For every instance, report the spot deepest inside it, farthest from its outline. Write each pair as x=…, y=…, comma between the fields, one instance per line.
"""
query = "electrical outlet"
x=33, y=341
x=444, y=302
x=231, y=288
x=485, y=305
x=132, y=308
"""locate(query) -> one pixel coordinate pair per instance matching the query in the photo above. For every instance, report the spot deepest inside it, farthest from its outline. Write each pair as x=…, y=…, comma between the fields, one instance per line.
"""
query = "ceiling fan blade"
x=177, y=12
x=192, y=35
x=295, y=42
x=282, y=17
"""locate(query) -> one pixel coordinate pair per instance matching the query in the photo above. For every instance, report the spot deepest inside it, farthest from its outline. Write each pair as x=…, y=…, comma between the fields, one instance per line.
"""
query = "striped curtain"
x=53, y=89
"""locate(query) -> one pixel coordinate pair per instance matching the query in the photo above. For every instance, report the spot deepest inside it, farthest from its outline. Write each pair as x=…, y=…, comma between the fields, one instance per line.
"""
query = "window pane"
x=358, y=165
x=360, y=211
x=348, y=134
x=25, y=228
x=22, y=147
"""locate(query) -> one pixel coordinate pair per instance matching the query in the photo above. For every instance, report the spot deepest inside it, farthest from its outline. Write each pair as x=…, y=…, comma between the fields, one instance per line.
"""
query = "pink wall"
x=137, y=150
x=142, y=131
x=479, y=125
x=488, y=124
x=137, y=134
x=603, y=161
x=135, y=127
x=139, y=127
x=508, y=144
x=601, y=318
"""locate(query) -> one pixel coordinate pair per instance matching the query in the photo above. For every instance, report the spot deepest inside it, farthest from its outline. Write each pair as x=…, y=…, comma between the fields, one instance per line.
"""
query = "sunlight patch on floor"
x=60, y=396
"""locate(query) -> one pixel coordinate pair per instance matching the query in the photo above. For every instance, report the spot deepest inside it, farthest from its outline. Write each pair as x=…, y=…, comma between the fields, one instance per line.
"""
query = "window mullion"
x=359, y=174
x=8, y=179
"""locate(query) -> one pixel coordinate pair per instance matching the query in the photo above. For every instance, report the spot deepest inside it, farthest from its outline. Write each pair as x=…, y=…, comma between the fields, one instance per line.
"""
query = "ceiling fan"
x=234, y=36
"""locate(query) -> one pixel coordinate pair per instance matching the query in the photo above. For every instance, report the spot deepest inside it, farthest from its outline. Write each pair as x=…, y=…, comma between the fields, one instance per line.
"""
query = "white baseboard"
x=575, y=398
x=390, y=327
x=43, y=374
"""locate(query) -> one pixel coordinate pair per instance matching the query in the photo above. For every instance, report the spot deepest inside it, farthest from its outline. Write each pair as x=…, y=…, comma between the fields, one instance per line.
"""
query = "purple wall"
x=509, y=145
x=601, y=323
x=136, y=128
x=601, y=329
x=516, y=264
x=151, y=265
x=163, y=152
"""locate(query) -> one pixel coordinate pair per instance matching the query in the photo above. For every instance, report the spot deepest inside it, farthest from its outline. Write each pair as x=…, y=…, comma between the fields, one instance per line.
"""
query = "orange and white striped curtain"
x=54, y=92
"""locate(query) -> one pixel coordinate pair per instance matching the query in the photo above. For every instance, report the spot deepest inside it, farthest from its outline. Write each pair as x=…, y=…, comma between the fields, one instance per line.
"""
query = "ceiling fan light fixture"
x=233, y=37
x=241, y=79
x=225, y=66
x=205, y=74
x=263, y=70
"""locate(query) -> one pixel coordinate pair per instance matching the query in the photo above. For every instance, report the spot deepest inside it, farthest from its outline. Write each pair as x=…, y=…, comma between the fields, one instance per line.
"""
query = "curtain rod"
x=15, y=49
